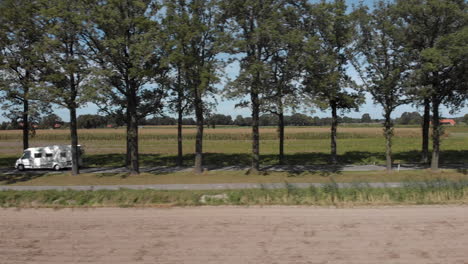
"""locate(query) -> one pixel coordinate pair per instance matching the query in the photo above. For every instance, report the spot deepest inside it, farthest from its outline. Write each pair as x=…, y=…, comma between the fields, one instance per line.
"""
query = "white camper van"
x=49, y=157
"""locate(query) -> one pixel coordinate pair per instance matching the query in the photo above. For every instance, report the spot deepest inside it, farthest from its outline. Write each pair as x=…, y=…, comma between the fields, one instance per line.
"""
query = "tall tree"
x=179, y=103
x=448, y=62
x=193, y=27
x=284, y=69
x=465, y=119
x=20, y=38
x=435, y=31
x=330, y=32
x=408, y=118
x=179, y=97
x=366, y=118
x=385, y=62
x=124, y=40
x=68, y=71
x=253, y=26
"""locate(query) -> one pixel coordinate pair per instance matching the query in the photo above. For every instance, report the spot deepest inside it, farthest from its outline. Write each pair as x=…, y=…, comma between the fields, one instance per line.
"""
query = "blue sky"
x=227, y=107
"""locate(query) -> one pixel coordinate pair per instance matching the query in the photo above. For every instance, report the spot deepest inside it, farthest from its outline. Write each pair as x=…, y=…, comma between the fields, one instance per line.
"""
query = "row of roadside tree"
x=135, y=58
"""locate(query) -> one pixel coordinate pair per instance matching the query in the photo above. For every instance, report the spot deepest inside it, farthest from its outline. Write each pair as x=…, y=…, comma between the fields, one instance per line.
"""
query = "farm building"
x=449, y=122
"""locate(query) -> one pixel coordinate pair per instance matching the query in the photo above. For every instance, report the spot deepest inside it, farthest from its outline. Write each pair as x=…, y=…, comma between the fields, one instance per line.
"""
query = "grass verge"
x=66, y=179
x=437, y=191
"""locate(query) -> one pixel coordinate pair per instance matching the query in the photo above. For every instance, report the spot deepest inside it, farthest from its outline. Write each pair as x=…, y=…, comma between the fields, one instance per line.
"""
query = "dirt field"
x=426, y=234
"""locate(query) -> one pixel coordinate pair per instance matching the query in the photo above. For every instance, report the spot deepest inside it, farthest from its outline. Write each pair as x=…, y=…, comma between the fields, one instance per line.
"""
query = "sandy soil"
x=426, y=234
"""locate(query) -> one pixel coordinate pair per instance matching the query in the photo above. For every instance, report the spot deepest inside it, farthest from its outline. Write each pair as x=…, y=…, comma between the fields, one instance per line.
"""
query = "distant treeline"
x=296, y=119
x=88, y=121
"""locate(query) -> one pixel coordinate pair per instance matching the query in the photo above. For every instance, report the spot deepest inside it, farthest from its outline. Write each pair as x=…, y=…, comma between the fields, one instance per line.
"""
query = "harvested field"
x=423, y=234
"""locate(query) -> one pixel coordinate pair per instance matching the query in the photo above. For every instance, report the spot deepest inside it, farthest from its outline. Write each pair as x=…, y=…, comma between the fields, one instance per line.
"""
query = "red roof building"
x=447, y=122
x=33, y=125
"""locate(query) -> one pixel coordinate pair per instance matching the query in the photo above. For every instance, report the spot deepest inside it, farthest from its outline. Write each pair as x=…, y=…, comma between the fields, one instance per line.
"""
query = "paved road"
x=291, y=168
x=213, y=186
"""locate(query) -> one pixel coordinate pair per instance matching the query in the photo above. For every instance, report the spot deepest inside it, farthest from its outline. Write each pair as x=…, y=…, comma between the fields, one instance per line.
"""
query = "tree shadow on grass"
x=104, y=160
x=218, y=160
x=244, y=159
x=314, y=162
x=454, y=156
x=210, y=159
x=118, y=160
x=325, y=172
x=8, y=162
x=20, y=177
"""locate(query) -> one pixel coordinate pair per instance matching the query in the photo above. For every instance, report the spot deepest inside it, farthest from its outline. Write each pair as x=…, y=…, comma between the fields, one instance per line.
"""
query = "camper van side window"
x=37, y=155
x=63, y=154
x=48, y=155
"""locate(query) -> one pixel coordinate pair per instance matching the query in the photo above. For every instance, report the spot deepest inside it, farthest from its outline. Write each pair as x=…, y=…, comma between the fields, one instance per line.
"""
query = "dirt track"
x=427, y=234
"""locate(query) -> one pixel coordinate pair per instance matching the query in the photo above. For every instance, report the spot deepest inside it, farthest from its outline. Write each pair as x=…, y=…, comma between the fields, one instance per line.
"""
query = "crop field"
x=222, y=133
x=232, y=145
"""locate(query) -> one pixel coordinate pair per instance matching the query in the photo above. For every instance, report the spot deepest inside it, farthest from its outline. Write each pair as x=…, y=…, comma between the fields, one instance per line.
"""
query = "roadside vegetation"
x=213, y=177
x=438, y=191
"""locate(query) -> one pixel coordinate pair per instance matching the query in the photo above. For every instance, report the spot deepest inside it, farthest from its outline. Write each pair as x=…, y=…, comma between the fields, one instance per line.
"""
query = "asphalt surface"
x=213, y=186
x=280, y=168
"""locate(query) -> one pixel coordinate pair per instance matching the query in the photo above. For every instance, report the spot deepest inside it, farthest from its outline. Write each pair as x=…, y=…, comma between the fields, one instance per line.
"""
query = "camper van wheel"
x=56, y=167
x=21, y=167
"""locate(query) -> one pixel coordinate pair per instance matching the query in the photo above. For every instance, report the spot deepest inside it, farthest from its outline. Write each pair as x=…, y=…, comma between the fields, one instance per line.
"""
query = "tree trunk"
x=281, y=138
x=25, y=124
x=132, y=136
x=129, y=150
x=334, y=126
x=425, y=131
x=388, y=132
x=255, y=132
x=280, y=125
x=199, y=137
x=74, y=142
x=435, y=134
x=180, y=158
x=73, y=124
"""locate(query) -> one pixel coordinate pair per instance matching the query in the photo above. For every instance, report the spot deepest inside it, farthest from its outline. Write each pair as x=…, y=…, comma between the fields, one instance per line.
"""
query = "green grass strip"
x=438, y=191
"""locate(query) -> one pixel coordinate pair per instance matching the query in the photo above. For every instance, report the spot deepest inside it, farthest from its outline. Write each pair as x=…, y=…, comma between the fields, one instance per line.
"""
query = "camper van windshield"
x=26, y=155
